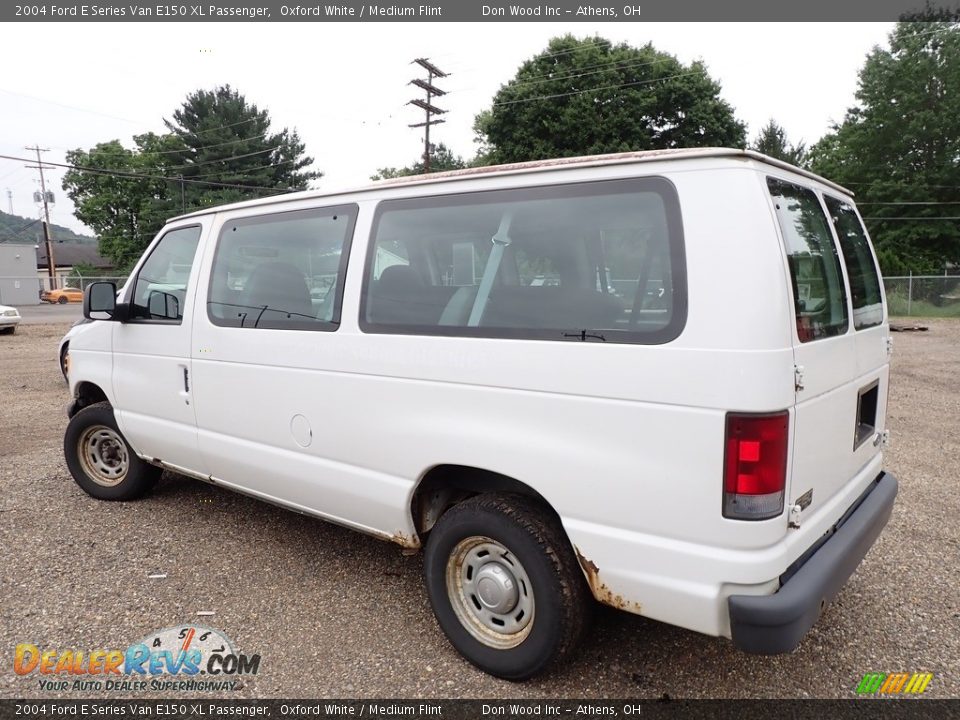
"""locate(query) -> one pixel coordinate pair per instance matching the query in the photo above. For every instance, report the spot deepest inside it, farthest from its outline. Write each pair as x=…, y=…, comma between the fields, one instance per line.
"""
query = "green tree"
x=441, y=159
x=898, y=147
x=581, y=97
x=122, y=193
x=772, y=141
x=227, y=140
x=219, y=149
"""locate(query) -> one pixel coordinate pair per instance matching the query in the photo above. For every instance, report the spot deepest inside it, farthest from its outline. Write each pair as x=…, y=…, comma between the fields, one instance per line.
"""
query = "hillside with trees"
x=18, y=229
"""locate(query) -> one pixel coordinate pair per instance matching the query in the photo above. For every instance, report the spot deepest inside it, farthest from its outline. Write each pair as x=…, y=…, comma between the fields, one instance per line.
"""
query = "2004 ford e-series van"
x=655, y=379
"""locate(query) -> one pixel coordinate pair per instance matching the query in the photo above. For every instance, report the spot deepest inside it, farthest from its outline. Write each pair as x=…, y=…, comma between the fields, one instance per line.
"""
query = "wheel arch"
x=86, y=393
x=444, y=485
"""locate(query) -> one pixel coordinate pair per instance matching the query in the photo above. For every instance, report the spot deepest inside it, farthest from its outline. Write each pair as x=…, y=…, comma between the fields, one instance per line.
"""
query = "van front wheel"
x=101, y=461
x=505, y=586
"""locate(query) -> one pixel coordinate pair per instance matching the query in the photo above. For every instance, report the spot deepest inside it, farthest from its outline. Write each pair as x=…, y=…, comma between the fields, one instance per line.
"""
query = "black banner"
x=914, y=709
x=468, y=11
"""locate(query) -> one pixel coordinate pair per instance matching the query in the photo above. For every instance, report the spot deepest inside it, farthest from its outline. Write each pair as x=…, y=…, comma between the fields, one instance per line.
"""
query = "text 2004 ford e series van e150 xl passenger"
x=657, y=380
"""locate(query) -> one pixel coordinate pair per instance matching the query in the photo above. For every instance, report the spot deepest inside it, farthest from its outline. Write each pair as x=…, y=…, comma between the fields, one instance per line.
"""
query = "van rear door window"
x=592, y=262
x=865, y=290
x=819, y=292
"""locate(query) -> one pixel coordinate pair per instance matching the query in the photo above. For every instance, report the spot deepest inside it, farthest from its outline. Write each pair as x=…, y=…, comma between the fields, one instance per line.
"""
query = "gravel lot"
x=336, y=614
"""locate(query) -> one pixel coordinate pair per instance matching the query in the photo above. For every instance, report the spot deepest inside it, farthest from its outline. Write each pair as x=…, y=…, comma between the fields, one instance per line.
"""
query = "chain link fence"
x=82, y=282
x=923, y=295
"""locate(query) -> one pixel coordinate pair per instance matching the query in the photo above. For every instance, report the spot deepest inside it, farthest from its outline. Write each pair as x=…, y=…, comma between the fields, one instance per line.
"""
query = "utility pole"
x=432, y=91
x=51, y=266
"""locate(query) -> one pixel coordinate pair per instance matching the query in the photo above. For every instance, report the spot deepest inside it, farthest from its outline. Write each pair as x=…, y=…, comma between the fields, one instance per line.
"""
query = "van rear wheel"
x=504, y=585
x=101, y=461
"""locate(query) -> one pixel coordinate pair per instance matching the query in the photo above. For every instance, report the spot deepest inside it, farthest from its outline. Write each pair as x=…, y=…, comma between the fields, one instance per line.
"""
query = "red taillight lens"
x=755, y=465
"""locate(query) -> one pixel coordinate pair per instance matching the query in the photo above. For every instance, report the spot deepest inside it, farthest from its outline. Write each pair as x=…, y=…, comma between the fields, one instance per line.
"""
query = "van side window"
x=865, y=290
x=161, y=286
x=282, y=271
x=819, y=292
x=592, y=262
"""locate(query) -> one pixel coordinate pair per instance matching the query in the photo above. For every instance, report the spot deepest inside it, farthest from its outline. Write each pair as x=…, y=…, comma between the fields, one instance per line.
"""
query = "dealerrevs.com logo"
x=185, y=657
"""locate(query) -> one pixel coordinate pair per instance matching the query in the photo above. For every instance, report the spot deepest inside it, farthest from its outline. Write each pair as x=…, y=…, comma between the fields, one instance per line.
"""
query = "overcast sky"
x=343, y=86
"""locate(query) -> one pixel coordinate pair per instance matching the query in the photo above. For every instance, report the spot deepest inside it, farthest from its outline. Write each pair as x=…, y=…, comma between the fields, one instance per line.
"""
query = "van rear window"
x=591, y=262
x=865, y=290
x=820, y=300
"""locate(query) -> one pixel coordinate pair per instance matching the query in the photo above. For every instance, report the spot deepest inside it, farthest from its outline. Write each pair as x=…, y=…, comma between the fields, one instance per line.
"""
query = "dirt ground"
x=336, y=614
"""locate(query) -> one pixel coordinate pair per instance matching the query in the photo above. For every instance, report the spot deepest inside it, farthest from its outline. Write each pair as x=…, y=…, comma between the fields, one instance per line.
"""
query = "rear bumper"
x=771, y=624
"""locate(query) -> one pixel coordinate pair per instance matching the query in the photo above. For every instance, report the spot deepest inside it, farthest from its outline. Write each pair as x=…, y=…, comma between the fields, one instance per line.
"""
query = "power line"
x=142, y=176
x=468, y=69
x=911, y=219
x=246, y=170
x=603, y=67
x=580, y=46
x=117, y=117
x=187, y=166
x=185, y=150
x=950, y=28
x=210, y=130
x=71, y=107
x=545, y=77
x=12, y=235
x=875, y=182
x=913, y=202
x=598, y=89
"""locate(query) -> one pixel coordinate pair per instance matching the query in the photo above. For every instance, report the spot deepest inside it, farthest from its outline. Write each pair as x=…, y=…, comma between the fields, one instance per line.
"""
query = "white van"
x=656, y=379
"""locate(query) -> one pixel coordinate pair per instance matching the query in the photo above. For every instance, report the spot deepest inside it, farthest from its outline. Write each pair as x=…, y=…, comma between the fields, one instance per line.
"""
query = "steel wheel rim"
x=490, y=592
x=103, y=455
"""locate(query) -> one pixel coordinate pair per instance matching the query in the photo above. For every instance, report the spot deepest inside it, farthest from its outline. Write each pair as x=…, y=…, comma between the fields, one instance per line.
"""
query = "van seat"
x=563, y=308
x=280, y=291
x=399, y=297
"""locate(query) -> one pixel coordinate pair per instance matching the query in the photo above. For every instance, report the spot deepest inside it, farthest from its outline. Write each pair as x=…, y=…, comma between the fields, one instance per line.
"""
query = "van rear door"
x=840, y=343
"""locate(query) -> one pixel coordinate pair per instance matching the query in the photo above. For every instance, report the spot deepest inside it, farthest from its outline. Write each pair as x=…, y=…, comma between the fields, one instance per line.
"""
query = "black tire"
x=62, y=300
x=100, y=459
x=538, y=550
x=12, y=330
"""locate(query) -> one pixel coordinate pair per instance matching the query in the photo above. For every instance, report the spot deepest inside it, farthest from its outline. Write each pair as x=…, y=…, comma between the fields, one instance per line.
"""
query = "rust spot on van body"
x=600, y=590
x=407, y=542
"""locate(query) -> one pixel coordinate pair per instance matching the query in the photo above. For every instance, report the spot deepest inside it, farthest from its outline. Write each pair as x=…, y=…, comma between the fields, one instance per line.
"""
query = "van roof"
x=525, y=168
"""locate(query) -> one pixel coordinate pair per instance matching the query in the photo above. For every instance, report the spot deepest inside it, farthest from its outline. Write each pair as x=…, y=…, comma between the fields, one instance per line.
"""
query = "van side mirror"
x=163, y=306
x=100, y=301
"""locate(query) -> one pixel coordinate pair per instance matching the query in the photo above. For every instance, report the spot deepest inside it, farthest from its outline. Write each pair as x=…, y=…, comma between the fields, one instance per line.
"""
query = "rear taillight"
x=755, y=465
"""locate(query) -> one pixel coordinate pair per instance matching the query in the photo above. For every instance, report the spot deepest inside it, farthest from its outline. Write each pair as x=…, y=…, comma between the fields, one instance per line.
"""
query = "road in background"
x=46, y=313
